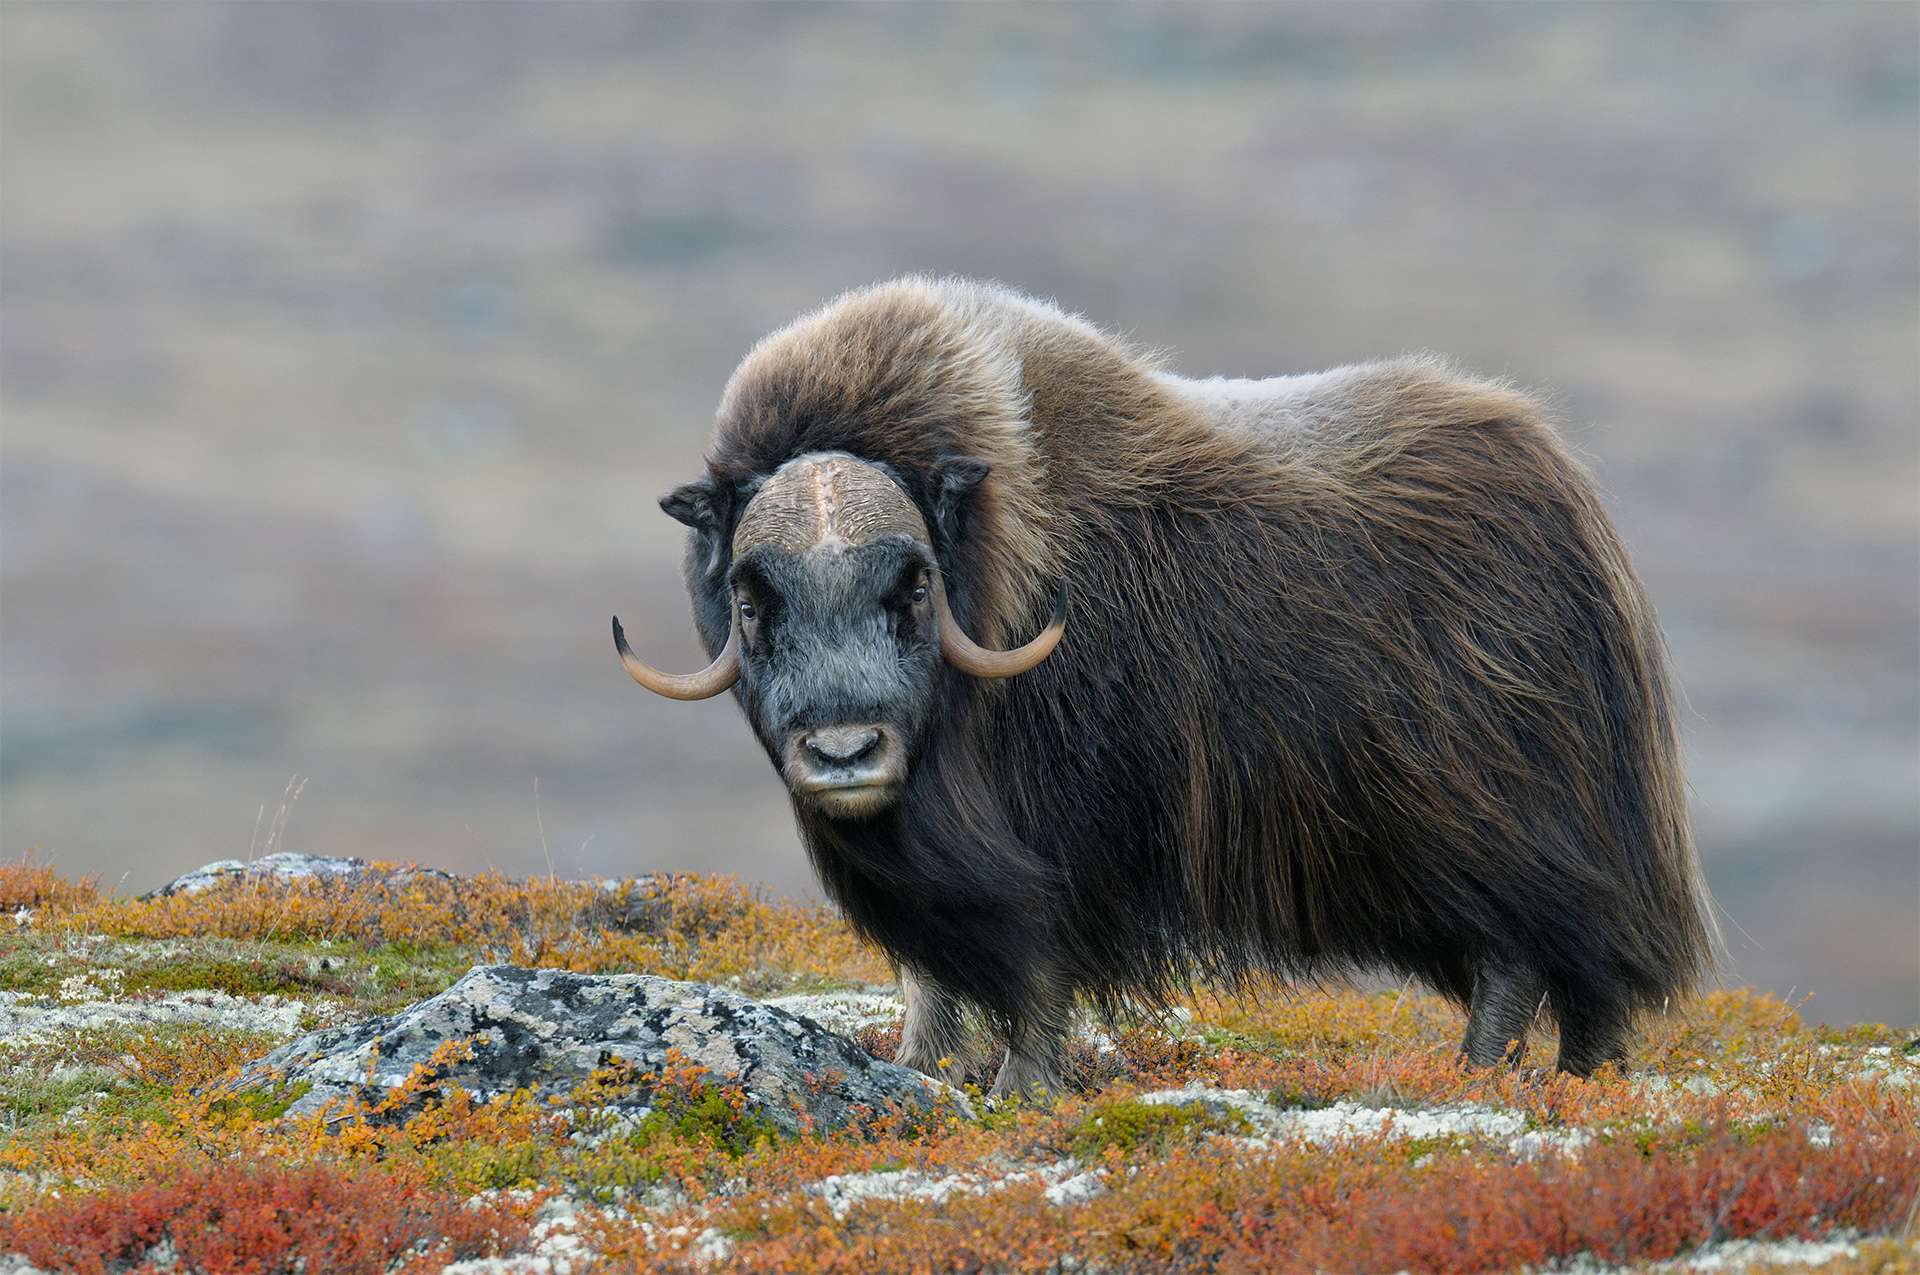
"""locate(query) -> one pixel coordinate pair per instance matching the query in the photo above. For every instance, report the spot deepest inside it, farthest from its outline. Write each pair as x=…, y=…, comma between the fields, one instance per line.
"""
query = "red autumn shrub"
x=1611, y=1200
x=255, y=1219
x=1371, y=1205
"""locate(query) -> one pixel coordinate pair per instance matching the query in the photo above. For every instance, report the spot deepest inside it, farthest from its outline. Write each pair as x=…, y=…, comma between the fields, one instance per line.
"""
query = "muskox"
x=1355, y=675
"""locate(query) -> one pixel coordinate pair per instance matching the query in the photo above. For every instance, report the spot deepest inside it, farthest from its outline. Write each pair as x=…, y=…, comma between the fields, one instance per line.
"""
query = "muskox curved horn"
x=708, y=682
x=968, y=656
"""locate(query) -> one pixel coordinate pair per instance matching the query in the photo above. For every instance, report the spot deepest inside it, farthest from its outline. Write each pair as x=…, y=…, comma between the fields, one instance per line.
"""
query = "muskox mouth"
x=855, y=799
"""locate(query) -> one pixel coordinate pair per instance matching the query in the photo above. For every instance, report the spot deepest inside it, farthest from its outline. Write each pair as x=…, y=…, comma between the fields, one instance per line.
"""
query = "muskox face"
x=839, y=657
x=838, y=624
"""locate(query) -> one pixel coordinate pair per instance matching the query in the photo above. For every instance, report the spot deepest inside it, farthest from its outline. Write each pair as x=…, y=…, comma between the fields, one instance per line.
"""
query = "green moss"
x=713, y=1120
x=261, y=1105
x=1266, y=1044
x=261, y=975
x=1418, y=1149
x=635, y=1157
x=1128, y=1126
x=997, y=1116
x=486, y=1166
x=32, y=964
x=1862, y=1035
x=1679, y=1137
x=615, y=1167
x=111, y=1102
x=131, y=1107
x=1298, y=1099
x=28, y=1101
x=772, y=982
x=398, y=974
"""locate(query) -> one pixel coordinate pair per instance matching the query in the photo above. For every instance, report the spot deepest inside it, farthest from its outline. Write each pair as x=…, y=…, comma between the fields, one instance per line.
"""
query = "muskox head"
x=839, y=621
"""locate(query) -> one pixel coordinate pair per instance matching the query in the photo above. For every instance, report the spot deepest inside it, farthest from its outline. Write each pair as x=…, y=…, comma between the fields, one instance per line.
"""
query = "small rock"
x=641, y=905
x=547, y=1030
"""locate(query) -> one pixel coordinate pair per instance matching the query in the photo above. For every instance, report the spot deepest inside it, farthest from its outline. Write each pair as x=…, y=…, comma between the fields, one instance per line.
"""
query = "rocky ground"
x=333, y=1065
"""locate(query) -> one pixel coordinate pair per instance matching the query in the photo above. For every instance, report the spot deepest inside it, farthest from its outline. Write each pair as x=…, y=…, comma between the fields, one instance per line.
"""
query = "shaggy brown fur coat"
x=1357, y=674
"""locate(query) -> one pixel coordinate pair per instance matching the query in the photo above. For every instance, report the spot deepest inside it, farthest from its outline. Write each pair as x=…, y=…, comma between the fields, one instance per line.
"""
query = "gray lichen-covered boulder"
x=268, y=867
x=286, y=867
x=642, y=904
x=547, y=1030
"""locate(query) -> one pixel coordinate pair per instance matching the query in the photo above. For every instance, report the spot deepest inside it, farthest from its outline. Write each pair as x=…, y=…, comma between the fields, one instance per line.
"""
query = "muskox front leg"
x=1506, y=996
x=1036, y=1047
x=935, y=1040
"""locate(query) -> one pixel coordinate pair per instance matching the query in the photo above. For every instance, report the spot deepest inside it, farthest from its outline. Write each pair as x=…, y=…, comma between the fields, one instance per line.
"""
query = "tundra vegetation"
x=1286, y=1128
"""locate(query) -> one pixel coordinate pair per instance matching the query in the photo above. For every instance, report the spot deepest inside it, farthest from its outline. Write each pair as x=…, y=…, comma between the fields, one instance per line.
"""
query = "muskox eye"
x=920, y=592
x=746, y=610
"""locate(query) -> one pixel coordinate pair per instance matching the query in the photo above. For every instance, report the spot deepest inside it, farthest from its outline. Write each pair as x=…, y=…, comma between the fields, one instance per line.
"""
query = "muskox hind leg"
x=1594, y=1029
x=935, y=1040
x=1506, y=996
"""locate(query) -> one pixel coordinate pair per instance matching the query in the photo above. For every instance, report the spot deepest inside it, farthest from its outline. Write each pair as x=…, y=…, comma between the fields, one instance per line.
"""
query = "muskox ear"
x=706, y=505
x=697, y=504
x=954, y=482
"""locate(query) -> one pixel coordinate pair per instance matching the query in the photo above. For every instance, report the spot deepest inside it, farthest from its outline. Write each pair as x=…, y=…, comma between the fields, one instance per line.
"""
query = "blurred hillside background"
x=345, y=349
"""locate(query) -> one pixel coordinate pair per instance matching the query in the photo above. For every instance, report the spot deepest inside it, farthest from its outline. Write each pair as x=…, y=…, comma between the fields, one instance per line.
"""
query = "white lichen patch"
x=1727, y=1255
x=711, y=1247
x=553, y=1248
x=843, y=1012
x=98, y=984
x=849, y=1011
x=1741, y=1255
x=1883, y=1064
x=1077, y=1189
x=843, y=1191
x=1657, y=1089
x=1272, y=1123
x=1346, y=1119
x=1066, y=1184
x=25, y=1017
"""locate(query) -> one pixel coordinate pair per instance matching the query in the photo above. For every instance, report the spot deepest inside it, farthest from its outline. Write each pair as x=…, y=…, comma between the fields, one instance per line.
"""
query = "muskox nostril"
x=842, y=745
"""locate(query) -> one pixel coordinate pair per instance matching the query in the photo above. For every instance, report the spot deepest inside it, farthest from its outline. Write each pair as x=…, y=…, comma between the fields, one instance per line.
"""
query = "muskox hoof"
x=1026, y=1080
x=950, y=1067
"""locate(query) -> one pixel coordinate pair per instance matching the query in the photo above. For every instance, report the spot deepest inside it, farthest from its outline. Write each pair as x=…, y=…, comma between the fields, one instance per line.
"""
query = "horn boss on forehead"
x=819, y=500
